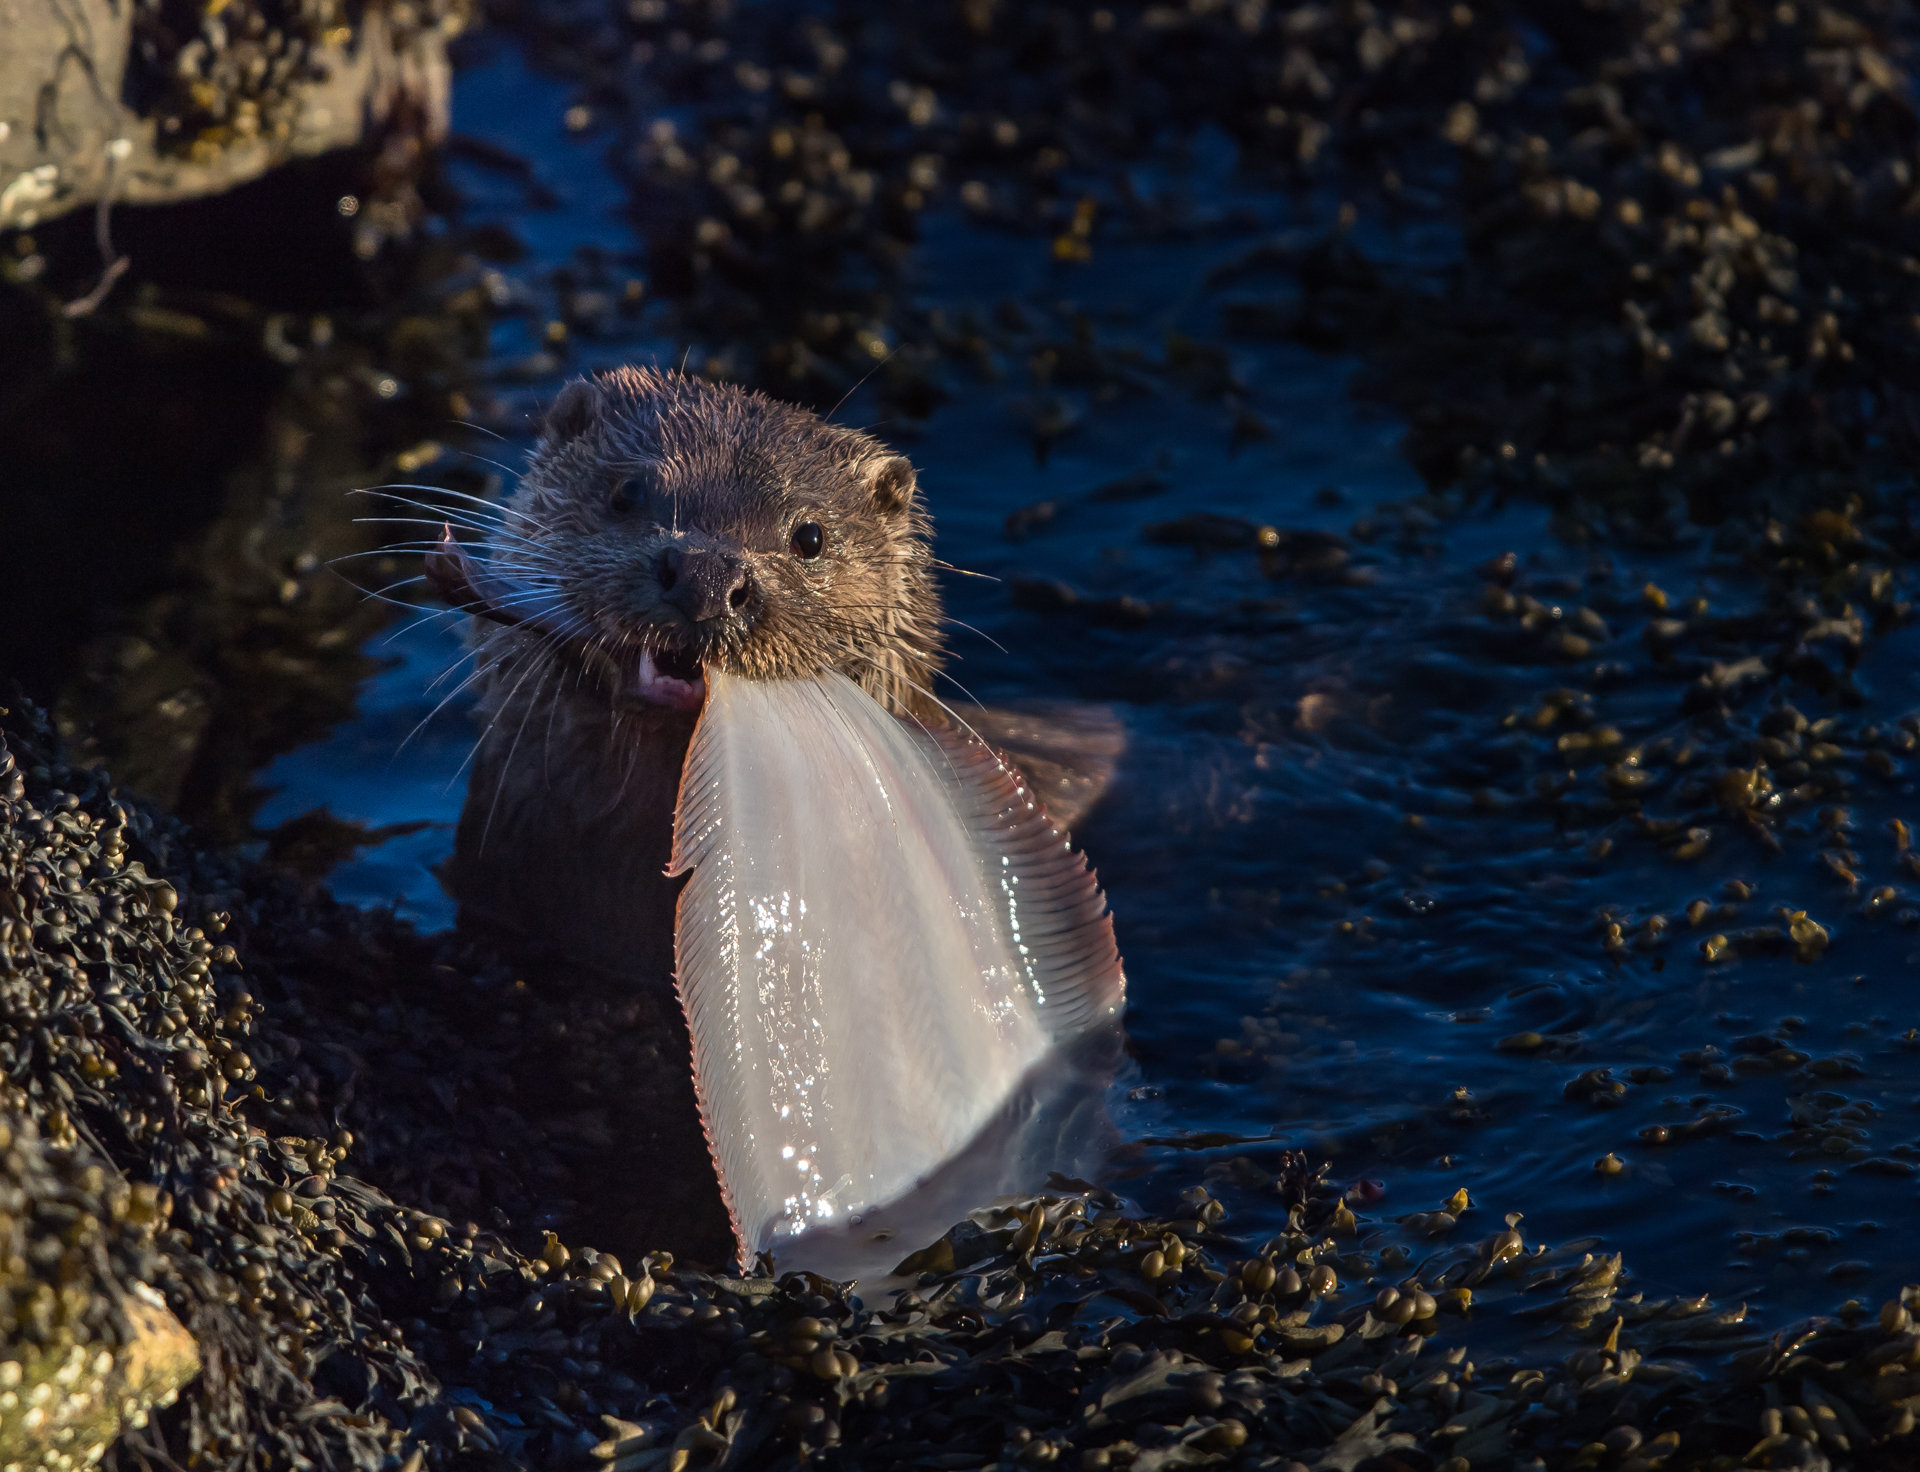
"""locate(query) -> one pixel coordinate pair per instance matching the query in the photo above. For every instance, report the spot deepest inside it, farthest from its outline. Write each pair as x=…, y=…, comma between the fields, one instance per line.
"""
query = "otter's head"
x=667, y=526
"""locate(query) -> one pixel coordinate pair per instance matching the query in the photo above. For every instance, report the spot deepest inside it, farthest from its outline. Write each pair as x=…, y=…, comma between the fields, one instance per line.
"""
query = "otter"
x=707, y=641
x=668, y=525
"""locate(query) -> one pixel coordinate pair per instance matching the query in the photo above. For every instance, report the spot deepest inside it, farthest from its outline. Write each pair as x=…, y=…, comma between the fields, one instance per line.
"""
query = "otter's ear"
x=571, y=414
x=892, y=485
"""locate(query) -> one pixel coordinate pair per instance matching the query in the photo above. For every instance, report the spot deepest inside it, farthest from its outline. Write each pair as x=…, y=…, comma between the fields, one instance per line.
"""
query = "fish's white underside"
x=881, y=935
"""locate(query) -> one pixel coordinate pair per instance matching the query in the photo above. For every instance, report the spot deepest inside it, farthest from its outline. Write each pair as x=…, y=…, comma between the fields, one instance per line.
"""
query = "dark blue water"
x=1334, y=890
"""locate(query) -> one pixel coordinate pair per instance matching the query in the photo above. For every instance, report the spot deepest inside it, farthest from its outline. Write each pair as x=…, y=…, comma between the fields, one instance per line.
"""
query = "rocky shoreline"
x=179, y=1081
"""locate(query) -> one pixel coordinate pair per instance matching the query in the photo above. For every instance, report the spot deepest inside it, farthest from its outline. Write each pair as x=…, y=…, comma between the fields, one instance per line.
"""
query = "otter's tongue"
x=881, y=936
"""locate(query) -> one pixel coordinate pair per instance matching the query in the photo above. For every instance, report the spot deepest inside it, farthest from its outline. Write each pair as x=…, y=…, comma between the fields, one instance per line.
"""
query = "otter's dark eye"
x=627, y=495
x=808, y=541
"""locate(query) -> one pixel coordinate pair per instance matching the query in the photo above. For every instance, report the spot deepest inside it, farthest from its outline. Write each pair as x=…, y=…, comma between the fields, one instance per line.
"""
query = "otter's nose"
x=703, y=583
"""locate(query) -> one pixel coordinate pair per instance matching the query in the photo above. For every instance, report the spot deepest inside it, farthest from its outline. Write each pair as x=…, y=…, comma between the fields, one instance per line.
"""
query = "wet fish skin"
x=881, y=936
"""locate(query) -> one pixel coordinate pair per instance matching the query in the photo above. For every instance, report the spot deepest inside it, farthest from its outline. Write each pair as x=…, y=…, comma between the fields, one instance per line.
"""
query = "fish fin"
x=1052, y=897
x=1069, y=751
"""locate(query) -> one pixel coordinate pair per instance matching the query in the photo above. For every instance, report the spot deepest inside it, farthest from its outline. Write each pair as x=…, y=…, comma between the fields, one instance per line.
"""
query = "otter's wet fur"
x=568, y=822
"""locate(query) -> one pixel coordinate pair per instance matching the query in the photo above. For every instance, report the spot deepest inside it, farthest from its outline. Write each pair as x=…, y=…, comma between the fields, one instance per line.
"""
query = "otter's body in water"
x=654, y=531
x=709, y=633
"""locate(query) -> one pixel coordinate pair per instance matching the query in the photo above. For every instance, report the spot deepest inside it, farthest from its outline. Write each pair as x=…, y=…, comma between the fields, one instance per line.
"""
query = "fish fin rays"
x=1071, y=954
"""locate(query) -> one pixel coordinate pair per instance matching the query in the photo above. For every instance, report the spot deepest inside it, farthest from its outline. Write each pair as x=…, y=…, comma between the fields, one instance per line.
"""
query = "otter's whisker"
x=480, y=514
x=479, y=517
x=484, y=460
x=484, y=503
x=519, y=577
x=474, y=674
x=946, y=619
x=464, y=516
x=631, y=765
x=962, y=571
x=921, y=690
x=426, y=616
x=828, y=416
x=500, y=787
x=503, y=512
x=427, y=544
x=379, y=595
x=553, y=713
x=386, y=550
x=505, y=563
x=448, y=672
x=480, y=429
x=384, y=589
x=526, y=660
x=487, y=530
x=597, y=644
x=846, y=626
x=925, y=729
x=529, y=600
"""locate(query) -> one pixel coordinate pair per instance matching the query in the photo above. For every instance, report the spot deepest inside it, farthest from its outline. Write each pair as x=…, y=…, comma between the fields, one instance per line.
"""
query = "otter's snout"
x=704, y=583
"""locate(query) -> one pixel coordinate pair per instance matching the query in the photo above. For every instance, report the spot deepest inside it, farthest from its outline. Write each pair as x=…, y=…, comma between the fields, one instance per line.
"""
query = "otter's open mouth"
x=671, y=679
x=668, y=677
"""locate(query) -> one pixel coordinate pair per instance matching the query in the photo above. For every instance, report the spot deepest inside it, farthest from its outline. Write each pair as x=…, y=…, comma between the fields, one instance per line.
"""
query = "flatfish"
x=881, y=942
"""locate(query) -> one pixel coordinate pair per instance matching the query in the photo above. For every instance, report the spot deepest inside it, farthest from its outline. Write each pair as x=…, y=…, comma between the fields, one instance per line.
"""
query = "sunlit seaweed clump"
x=124, y=1032
x=87, y=1347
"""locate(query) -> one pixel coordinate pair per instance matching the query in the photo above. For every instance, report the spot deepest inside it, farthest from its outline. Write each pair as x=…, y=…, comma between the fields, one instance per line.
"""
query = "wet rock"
x=142, y=105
